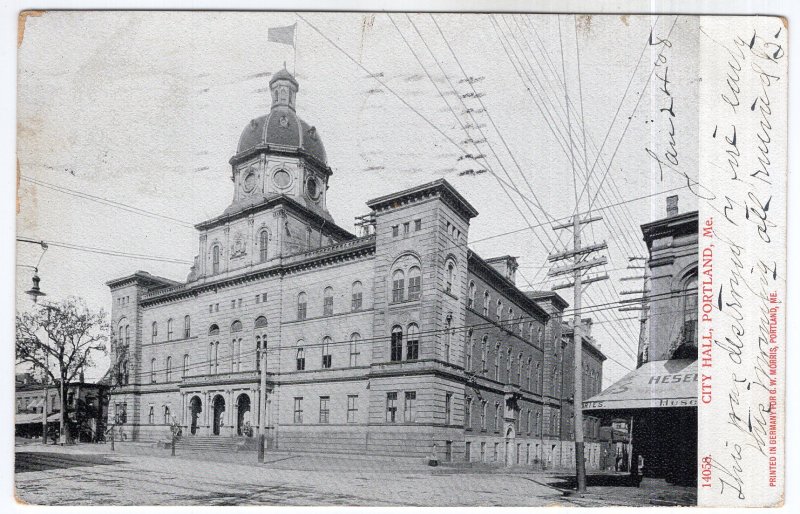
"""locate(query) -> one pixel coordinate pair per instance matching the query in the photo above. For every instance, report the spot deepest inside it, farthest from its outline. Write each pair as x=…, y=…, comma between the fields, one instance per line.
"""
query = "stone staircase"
x=215, y=443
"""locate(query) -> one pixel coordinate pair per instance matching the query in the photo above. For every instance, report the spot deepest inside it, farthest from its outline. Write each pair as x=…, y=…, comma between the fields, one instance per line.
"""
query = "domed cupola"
x=282, y=128
x=280, y=155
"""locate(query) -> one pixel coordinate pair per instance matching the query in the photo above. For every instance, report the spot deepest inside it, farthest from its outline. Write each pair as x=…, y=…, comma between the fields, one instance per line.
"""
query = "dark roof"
x=143, y=278
x=680, y=224
x=556, y=298
x=440, y=187
x=282, y=127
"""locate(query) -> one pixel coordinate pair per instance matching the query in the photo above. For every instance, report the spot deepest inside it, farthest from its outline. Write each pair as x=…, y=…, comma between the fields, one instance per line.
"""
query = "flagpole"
x=294, y=46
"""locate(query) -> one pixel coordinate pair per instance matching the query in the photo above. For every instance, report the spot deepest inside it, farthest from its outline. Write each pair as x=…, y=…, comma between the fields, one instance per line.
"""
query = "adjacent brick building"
x=399, y=341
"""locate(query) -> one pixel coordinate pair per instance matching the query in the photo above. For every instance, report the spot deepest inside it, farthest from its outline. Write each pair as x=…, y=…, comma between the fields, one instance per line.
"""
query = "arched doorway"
x=219, y=411
x=195, y=407
x=243, y=416
x=509, y=453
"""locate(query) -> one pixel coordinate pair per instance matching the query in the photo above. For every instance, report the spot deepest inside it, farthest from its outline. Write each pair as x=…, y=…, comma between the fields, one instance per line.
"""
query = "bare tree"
x=61, y=339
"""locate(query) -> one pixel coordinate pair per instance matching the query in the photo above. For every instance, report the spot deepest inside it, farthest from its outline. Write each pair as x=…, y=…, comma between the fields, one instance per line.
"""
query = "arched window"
x=519, y=369
x=263, y=245
x=127, y=335
x=530, y=372
x=168, y=370
x=153, y=333
x=357, y=297
x=451, y=268
x=414, y=283
x=185, y=365
x=471, y=297
x=484, y=351
x=468, y=412
x=448, y=334
x=326, y=352
x=497, y=417
x=355, y=350
x=510, y=319
x=260, y=329
x=236, y=326
x=213, y=330
x=169, y=329
x=187, y=327
x=327, y=302
x=538, y=377
x=497, y=362
x=151, y=415
x=499, y=311
x=486, y=301
x=396, y=345
x=301, y=306
x=398, y=285
x=509, y=365
x=301, y=356
x=166, y=415
x=483, y=414
x=125, y=375
x=215, y=259
x=470, y=350
x=236, y=346
x=153, y=370
x=690, y=311
x=412, y=346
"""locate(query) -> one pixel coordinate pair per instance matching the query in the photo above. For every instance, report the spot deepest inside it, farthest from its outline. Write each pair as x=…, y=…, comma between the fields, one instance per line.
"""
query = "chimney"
x=672, y=205
x=586, y=325
x=506, y=266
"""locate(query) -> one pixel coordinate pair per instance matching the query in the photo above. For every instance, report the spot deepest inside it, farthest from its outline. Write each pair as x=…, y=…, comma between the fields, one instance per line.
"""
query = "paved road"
x=75, y=476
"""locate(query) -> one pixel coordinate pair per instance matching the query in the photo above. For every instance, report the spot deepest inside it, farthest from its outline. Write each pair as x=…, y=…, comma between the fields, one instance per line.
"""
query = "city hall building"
x=398, y=341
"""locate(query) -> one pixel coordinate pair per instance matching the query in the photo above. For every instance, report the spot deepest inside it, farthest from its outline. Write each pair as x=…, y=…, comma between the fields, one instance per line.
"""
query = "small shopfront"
x=659, y=399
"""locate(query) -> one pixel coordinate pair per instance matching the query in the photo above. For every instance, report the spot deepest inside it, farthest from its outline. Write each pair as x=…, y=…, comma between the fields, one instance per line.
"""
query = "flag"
x=283, y=35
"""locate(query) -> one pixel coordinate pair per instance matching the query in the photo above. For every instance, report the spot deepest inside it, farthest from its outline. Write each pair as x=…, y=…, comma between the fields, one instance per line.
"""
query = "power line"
x=105, y=201
x=104, y=251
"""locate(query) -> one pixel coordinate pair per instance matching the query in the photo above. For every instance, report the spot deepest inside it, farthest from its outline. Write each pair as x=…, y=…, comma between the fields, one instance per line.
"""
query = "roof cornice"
x=439, y=188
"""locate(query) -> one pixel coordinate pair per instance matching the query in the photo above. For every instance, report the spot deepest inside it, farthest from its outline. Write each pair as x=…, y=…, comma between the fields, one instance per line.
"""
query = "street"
x=141, y=475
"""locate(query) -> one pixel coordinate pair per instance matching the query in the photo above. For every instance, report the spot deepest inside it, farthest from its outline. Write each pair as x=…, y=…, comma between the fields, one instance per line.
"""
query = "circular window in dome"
x=282, y=178
x=312, y=188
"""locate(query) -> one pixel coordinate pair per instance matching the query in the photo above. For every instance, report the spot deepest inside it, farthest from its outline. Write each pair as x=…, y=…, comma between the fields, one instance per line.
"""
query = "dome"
x=282, y=127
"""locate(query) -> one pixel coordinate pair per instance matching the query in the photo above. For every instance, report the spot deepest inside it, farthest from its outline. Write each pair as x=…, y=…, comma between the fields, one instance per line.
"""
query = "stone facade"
x=398, y=342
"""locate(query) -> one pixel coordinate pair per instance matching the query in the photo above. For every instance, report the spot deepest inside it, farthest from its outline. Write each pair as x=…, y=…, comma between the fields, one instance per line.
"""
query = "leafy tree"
x=61, y=339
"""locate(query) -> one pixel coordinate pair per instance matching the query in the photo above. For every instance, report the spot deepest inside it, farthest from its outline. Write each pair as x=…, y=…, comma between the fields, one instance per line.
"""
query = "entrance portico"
x=227, y=411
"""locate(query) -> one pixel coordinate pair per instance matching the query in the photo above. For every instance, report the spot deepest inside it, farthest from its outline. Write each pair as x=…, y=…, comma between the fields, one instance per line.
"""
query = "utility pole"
x=262, y=414
x=580, y=263
x=639, y=303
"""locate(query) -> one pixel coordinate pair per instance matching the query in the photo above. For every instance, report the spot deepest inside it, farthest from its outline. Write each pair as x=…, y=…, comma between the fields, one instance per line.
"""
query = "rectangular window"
x=301, y=311
x=327, y=306
x=263, y=297
x=448, y=407
x=298, y=410
x=483, y=415
x=239, y=303
x=409, y=409
x=324, y=411
x=326, y=361
x=467, y=450
x=301, y=359
x=395, y=230
x=483, y=452
x=233, y=304
x=496, y=451
x=352, y=408
x=406, y=228
x=216, y=307
x=258, y=298
x=417, y=225
x=391, y=407
x=468, y=413
x=151, y=417
x=210, y=308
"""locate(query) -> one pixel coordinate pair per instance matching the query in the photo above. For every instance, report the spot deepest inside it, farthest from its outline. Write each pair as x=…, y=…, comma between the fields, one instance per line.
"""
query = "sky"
x=145, y=109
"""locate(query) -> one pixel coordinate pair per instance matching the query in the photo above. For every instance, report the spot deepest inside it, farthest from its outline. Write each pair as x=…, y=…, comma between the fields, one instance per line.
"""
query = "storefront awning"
x=33, y=417
x=654, y=385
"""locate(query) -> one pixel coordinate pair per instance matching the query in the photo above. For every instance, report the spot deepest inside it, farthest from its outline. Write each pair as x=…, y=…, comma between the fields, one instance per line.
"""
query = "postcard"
x=400, y=259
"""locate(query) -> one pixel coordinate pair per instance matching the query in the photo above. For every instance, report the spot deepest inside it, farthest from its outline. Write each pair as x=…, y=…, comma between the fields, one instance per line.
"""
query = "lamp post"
x=35, y=293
